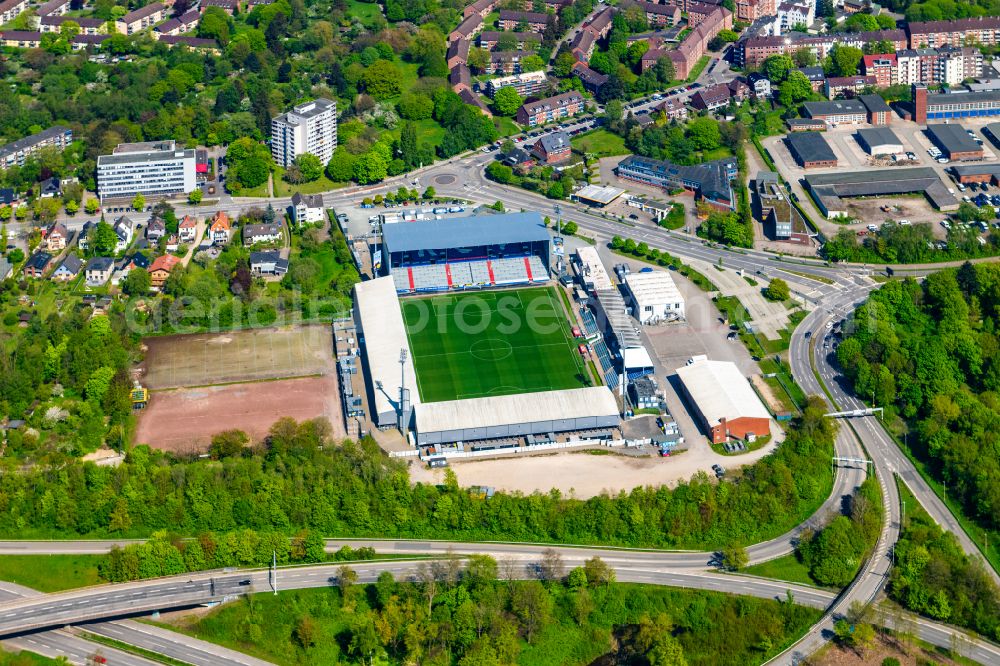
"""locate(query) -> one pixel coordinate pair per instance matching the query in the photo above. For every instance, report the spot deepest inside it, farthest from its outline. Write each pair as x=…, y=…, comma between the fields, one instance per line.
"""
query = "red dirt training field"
x=184, y=420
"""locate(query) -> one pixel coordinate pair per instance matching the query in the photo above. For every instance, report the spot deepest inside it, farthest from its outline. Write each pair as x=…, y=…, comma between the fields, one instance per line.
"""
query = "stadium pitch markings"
x=483, y=344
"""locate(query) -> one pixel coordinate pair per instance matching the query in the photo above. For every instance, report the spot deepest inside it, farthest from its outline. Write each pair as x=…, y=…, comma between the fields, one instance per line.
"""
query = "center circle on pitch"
x=491, y=349
x=445, y=179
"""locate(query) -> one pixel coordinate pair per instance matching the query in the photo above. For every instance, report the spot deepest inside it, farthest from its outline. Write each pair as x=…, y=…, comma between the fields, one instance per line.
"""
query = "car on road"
x=808, y=335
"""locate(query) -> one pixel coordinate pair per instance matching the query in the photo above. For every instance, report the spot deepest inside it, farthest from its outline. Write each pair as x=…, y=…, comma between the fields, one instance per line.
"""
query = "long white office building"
x=153, y=169
x=308, y=128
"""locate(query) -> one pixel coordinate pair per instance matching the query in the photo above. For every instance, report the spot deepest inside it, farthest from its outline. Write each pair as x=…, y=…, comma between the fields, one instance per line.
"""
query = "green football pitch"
x=491, y=343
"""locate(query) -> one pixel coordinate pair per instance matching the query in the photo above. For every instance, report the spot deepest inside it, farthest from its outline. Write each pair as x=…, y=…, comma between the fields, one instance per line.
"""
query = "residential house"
x=482, y=8
x=673, y=109
x=142, y=18
x=658, y=15
x=178, y=26
x=458, y=52
x=229, y=6
x=473, y=99
x=53, y=8
x=261, y=233
x=57, y=238
x=525, y=84
x=50, y=187
x=135, y=261
x=21, y=39
x=160, y=269
x=533, y=21
x=124, y=228
x=88, y=26
x=507, y=62
x=848, y=86
x=155, y=230
x=68, y=269
x=18, y=151
x=490, y=39
x=467, y=29
x=99, y=270
x=268, y=263
x=591, y=80
x=583, y=45
x=7, y=196
x=552, y=148
x=37, y=264
x=817, y=79
x=519, y=159
x=307, y=208
x=600, y=25
x=714, y=97
x=221, y=229
x=550, y=109
x=460, y=78
x=882, y=66
x=760, y=86
x=9, y=9
x=6, y=268
x=187, y=230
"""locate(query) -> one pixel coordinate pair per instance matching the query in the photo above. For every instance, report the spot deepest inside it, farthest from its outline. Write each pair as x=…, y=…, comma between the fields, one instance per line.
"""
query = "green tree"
x=136, y=283
x=563, y=65
x=139, y=202
x=370, y=168
x=92, y=206
x=777, y=67
x=704, y=133
x=194, y=196
x=415, y=106
x=382, y=80
x=777, y=290
x=228, y=443
x=103, y=239
x=796, y=88
x=340, y=168
x=843, y=60
x=532, y=63
x=506, y=101
x=735, y=558
x=309, y=166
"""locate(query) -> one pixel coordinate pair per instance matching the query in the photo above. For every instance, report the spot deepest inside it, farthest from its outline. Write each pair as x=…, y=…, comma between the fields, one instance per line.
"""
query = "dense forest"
x=299, y=479
x=477, y=616
x=934, y=577
x=910, y=244
x=931, y=352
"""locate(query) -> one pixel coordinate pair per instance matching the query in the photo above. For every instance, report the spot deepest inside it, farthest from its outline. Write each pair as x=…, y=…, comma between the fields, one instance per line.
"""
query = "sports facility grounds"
x=491, y=343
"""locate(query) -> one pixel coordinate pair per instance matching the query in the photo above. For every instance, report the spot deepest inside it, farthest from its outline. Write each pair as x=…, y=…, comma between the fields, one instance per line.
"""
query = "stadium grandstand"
x=467, y=253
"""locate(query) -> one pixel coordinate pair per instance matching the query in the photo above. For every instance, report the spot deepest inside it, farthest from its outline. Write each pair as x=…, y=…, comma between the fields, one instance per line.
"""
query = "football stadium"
x=466, y=344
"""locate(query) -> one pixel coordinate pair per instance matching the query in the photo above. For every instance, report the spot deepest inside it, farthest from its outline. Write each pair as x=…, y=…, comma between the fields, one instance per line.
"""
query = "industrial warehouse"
x=830, y=189
x=724, y=401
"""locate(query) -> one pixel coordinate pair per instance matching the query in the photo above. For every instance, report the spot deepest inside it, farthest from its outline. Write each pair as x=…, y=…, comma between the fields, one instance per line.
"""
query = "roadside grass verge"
x=788, y=568
x=132, y=649
x=51, y=573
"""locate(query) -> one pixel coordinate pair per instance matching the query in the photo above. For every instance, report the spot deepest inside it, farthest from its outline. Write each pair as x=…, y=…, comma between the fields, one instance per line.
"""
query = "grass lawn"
x=26, y=659
x=491, y=343
x=699, y=67
x=367, y=12
x=261, y=190
x=51, y=573
x=717, y=154
x=783, y=568
x=505, y=126
x=600, y=142
x=428, y=131
x=283, y=188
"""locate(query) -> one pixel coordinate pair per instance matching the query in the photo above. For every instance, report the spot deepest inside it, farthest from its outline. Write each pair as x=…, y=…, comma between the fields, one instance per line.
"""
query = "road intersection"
x=831, y=291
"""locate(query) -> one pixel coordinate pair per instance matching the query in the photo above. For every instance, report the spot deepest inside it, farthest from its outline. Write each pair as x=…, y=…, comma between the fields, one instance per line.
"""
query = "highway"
x=857, y=438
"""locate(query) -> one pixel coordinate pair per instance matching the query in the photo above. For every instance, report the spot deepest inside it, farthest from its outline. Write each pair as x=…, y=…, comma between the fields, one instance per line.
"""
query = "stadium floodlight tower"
x=404, y=394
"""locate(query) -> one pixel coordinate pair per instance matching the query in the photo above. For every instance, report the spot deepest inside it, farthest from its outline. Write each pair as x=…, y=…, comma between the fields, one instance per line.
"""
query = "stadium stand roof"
x=721, y=391
x=464, y=232
x=503, y=410
x=384, y=335
x=831, y=186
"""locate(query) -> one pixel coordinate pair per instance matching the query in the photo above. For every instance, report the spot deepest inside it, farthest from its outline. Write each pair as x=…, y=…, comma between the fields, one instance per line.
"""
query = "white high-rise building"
x=308, y=128
x=156, y=168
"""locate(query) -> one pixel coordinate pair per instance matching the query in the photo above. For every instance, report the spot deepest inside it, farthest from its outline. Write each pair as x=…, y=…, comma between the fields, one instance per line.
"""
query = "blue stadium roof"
x=464, y=232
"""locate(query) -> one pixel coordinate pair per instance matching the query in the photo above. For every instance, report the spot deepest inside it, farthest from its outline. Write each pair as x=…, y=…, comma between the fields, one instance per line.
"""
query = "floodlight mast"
x=404, y=396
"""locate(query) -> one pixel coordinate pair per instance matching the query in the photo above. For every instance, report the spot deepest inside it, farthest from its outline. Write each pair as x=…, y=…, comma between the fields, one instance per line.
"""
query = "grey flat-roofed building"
x=518, y=415
x=992, y=131
x=879, y=141
x=955, y=141
x=437, y=241
x=828, y=188
x=810, y=150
